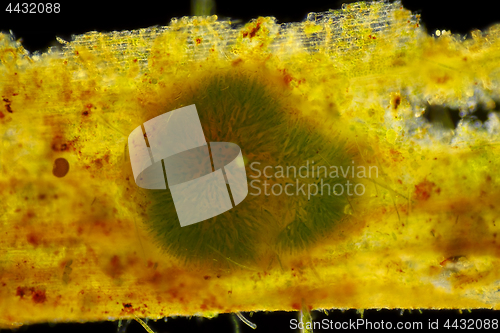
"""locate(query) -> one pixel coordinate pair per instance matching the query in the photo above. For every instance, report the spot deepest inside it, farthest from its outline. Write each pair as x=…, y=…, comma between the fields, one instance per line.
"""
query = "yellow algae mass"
x=80, y=241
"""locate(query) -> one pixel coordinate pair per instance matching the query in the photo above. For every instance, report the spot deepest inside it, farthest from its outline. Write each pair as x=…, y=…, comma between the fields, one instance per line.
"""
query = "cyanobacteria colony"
x=354, y=199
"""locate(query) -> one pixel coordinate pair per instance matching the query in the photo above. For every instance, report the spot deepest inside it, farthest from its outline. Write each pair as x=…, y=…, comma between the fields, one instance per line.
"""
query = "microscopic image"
x=213, y=166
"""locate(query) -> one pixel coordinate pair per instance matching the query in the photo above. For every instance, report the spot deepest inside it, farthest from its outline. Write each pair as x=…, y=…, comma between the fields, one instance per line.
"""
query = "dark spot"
x=60, y=144
x=127, y=305
x=206, y=277
x=198, y=41
x=33, y=239
x=252, y=32
x=61, y=167
x=7, y=105
x=287, y=78
x=442, y=116
x=396, y=101
x=453, y=259
x=38, y=296
x=98, y=163
x=21, y=291
x=59, y=147
x=450, y=117
x=237, y=62
x=88, y=107
x=423, y=190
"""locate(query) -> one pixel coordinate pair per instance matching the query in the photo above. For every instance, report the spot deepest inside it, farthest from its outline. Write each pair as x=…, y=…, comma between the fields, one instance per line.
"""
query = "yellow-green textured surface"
x=424, y=235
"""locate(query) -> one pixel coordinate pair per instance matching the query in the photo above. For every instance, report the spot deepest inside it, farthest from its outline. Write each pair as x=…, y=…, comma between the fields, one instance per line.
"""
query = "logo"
x=205, y=179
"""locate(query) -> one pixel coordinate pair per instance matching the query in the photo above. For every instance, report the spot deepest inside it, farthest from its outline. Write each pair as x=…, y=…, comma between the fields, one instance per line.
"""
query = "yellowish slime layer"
x=424, y=235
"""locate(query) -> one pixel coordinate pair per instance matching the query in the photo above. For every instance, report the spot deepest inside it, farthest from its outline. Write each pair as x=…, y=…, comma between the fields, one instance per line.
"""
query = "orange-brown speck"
x=423, y=190
x=60, y=168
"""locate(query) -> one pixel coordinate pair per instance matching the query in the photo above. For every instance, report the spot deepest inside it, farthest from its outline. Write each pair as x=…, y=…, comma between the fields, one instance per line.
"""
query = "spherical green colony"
x=238, y=109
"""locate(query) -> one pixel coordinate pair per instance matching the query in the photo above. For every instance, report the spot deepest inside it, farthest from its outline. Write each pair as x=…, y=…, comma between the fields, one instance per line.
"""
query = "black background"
x=38, y=31
x=274, y=322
